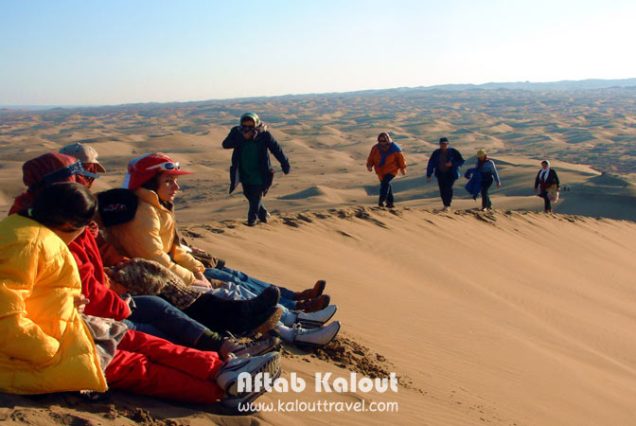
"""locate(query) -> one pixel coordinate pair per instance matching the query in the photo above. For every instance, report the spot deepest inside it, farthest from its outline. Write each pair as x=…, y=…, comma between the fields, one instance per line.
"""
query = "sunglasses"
x=67, y=172
x=247, y=128
x=168, y=166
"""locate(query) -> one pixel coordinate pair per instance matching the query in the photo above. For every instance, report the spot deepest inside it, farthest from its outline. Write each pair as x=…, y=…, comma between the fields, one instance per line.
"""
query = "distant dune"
x=510, y=317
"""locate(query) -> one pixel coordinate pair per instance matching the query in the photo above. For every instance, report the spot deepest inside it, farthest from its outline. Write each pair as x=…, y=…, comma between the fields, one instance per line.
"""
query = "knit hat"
x=250, y=116
x=443, y=140
x=84, y=153
x=144, y=168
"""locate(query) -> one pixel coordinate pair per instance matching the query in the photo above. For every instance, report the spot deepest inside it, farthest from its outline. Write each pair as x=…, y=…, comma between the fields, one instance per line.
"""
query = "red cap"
x=144, y=168
x=34, y=170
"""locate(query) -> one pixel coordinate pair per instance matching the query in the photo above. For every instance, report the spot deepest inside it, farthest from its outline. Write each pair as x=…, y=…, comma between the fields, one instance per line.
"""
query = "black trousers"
x=386, y=191
x=486, y=183
x=220, y=315
x=254, y=195
x=445, y=182
x=546, y=200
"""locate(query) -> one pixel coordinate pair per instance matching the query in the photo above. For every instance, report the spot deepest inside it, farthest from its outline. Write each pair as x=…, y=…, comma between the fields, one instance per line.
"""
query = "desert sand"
x=510, y=317
x=497, y=318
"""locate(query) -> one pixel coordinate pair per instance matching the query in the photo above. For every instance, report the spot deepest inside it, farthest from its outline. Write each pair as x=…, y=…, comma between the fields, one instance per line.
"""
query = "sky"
x=64, y=52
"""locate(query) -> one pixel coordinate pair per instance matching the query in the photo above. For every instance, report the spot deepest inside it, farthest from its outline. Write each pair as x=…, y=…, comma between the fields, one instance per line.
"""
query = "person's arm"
x=459, y=160
x=401, y=161
x=145, y=241
x=556, y=179
x=231, y=139
x=494, y=173
x=370, y=162
x=537, y=180
x=430, y=168
x=277, y=151
x=104, y=302
x=20, y=336
x=184, y=258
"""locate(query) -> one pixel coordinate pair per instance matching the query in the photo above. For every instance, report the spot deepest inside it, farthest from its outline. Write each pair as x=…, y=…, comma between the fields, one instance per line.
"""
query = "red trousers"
x=148, y=365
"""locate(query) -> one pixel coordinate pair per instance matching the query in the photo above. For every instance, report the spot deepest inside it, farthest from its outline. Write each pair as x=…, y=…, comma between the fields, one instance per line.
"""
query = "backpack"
x=117, y=206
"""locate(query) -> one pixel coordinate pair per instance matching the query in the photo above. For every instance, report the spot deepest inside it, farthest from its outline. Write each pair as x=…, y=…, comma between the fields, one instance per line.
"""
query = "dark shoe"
x=390, y=205
x=313, y=305
x=251, y=223
x=380, y=204
x=311, y=293
x=264, y=217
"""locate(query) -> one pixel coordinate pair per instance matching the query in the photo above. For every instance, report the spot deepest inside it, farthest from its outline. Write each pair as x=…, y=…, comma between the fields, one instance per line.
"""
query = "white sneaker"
x=318, y=318
x=227, y=376
x=316, y=337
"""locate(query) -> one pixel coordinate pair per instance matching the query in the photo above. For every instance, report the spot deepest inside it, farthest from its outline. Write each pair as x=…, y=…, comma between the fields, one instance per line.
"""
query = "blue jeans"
x=386, y=191
x=254, y=285
x=154, y=315
x=239, y=286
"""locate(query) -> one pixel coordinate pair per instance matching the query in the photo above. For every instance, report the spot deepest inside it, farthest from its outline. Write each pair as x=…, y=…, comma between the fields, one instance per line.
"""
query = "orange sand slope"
x=497, y=318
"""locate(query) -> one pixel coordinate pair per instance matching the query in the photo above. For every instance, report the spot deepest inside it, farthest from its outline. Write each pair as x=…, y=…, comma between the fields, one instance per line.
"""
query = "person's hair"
x=64, y=203
x=152, y=184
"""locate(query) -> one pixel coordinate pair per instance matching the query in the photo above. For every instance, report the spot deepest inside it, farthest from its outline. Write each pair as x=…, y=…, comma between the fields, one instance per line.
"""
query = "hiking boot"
x=313, y=305
x=316, y=319
x=248, y=349
x=264, y=217
x=311, y=293
x=316, y=337
x=227, y=376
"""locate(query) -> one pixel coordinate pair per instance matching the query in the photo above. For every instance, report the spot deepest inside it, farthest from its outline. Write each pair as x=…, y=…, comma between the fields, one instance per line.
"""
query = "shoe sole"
x=253, y=396
x=269, y=324
x=307, y=346
x=272, y=367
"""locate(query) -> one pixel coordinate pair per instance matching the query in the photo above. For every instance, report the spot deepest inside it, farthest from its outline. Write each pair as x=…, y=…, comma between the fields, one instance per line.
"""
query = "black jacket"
x=267, y=144
x=552, y=179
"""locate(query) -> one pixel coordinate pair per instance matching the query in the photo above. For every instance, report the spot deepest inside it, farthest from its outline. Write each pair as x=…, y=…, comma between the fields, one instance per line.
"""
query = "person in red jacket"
x=387, y=159
x=142, y=363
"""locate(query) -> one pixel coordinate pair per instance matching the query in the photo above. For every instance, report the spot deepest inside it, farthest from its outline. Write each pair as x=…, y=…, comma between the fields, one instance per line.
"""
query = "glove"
x=286, y=168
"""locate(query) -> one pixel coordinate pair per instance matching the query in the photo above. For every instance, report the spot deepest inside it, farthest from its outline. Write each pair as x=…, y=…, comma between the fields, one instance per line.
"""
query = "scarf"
x=393, y=147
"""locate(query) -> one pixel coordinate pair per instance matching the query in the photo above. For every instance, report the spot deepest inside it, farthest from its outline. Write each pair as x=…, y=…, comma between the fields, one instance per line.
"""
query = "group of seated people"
x=88, y=304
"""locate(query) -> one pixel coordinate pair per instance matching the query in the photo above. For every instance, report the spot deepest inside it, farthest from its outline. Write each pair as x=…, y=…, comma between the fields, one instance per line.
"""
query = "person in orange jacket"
x=387, y=159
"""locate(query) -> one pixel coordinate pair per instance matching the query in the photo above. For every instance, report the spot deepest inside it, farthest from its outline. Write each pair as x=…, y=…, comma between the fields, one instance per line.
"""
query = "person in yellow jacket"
x=387, y=159
x=45, y=345
x=151, y=234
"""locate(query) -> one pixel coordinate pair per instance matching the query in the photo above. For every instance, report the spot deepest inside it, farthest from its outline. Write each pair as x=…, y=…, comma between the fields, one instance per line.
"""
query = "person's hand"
x=80, y=301
x=402, y=172
x=202, y=283
x=428, y=178
x=498, y=185
x=216, y=283
x=449, y=164
x=286, y=168
x=369, y=168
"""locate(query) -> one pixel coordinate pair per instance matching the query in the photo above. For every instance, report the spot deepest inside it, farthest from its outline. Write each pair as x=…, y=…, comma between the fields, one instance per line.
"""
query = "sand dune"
x=499, y=318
